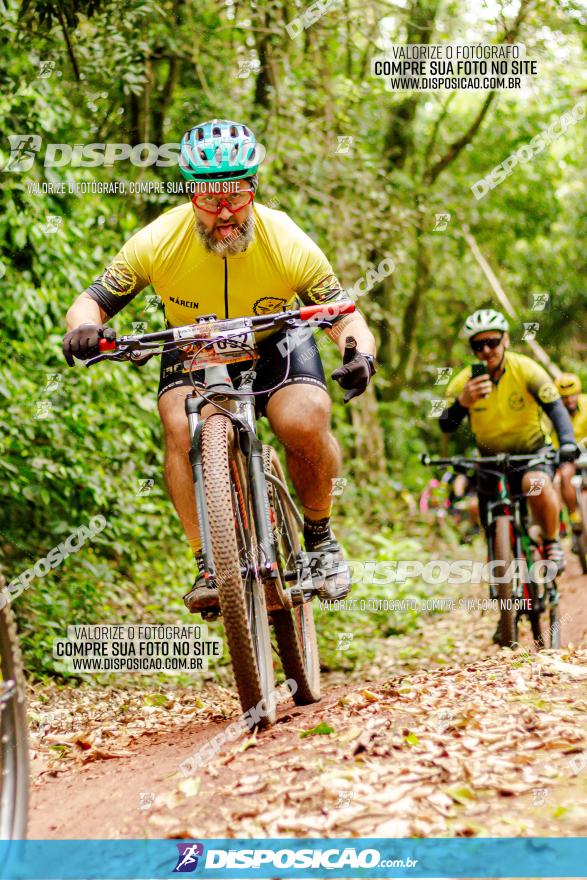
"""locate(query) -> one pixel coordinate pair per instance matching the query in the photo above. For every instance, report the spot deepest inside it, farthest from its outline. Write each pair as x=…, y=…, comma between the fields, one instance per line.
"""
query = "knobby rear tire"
x=14, y=755
x=555, y=627
x=242, y=604
x=294, y=630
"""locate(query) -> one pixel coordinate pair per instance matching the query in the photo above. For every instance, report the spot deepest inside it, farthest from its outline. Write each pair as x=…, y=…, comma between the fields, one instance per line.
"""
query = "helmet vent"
x=216, y=131
x=233, y=131
x=200, y=134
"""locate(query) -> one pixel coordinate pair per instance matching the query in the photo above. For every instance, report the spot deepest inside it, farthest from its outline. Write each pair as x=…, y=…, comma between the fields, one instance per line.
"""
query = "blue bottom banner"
x=293, y=857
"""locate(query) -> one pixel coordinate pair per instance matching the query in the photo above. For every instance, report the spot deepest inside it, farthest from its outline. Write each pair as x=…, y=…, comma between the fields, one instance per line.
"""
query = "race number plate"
x=216, y=342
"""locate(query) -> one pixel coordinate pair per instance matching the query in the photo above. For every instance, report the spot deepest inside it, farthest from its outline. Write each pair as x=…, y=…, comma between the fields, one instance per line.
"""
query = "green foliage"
x=144, y=71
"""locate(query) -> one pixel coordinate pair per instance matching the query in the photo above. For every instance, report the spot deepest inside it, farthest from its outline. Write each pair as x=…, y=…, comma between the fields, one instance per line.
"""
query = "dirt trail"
x=439, y=737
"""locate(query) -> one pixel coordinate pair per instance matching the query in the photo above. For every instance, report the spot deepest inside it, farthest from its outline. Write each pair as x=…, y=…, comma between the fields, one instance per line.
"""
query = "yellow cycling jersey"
x=510, y=418
x=280, y=263
x=578, y=419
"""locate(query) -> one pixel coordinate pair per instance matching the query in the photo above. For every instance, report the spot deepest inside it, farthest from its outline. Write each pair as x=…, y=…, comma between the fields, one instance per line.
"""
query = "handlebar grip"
x=327, y=310
x=108, y=344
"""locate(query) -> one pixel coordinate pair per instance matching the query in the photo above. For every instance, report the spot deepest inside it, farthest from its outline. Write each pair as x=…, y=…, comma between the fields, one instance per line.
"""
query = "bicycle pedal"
x=210, y=614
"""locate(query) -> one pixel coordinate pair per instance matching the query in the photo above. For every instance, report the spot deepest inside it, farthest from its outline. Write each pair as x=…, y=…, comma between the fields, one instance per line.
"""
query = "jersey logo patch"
x=119, y=278
x=268, y=304
x=324, y=289
x=516, y=401
x=547, y=393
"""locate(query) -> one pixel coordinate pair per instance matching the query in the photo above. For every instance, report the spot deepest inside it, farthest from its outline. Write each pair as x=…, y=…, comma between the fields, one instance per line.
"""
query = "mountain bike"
x=518, y=587
x=249, y=525
x=14, y=753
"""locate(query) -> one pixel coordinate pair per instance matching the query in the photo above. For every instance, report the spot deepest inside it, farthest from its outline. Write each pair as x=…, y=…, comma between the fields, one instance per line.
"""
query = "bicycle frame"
x=242, y=415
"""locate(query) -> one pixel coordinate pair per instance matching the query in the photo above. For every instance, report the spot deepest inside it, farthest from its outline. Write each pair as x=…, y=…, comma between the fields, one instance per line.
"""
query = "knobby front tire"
x=504, y=557
x=294, y=630
x=14, y=756
x=242, y=600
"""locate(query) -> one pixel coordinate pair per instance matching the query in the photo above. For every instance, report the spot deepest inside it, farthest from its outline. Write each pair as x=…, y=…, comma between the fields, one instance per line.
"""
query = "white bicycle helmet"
x=483, y=320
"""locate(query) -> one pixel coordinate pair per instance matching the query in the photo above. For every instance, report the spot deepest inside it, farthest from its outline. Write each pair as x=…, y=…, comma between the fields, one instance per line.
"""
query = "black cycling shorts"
x=305, y=367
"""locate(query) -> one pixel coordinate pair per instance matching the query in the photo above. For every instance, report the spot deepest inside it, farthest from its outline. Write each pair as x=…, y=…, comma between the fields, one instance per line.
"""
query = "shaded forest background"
x=364, y=171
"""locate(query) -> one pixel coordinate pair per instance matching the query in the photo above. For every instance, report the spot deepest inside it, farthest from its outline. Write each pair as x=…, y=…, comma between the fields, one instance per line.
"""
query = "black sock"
x=200, y=561
x=316, y=531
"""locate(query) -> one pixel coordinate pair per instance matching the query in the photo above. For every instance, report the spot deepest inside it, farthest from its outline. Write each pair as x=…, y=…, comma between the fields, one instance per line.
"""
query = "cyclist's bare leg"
x=543, y=504
x=299, y=416
x=567, y=471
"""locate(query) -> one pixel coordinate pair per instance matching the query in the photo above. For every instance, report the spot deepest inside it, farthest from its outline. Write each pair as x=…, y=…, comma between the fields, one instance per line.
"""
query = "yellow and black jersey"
x=280, y=264
x=510, y=419
x=578, y=421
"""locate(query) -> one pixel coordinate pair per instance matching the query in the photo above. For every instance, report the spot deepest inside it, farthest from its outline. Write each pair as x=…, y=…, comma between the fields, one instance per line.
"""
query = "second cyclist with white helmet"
x=504, y=405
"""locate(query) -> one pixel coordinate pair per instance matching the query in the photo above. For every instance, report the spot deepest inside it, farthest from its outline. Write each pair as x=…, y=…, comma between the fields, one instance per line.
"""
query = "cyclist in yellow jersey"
x=222, y=253
x=504, y=406
x=569, y=386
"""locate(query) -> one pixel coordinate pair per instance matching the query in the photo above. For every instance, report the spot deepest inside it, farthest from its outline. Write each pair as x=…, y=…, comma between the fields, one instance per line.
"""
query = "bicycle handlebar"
x=324, y=312
x=502, y=458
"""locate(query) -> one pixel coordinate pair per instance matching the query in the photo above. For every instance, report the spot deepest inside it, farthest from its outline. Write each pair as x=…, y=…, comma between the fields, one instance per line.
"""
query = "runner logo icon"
x=187, y=859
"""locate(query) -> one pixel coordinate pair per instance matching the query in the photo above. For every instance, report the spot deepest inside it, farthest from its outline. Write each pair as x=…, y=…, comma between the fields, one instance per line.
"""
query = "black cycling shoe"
x=203, y=597
x=497, y=635
x=331, y=575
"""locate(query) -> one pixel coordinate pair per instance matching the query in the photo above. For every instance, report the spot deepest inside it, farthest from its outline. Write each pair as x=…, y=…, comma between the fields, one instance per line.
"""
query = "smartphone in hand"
x=479, y=370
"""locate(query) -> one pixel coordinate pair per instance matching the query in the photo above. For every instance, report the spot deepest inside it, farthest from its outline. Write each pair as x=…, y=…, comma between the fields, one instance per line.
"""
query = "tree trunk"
x=369, y=442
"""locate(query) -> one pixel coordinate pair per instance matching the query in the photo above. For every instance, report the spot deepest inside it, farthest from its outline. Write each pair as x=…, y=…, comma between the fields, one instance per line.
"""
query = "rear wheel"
x=241, y=593
x=503, y=557
x=536, y=618
x=13, y=734
x=555, y=626
x=294, y=630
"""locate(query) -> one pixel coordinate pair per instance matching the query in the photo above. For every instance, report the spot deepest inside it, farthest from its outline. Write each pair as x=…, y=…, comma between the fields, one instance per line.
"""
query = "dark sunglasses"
x=480, y=344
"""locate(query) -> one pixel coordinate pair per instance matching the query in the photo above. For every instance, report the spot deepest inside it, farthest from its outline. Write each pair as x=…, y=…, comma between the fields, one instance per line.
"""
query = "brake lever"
x=108, y=356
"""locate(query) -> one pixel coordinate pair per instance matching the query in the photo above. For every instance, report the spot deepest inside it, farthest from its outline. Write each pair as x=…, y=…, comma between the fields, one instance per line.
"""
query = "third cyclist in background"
x=569, y=386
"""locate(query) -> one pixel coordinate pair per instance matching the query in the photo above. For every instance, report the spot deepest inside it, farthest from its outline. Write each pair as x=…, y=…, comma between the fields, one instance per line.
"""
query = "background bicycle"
x=522, y=588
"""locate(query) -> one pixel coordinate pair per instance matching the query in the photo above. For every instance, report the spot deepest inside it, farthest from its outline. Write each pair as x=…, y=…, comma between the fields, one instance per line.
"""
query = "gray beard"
x=239, y=240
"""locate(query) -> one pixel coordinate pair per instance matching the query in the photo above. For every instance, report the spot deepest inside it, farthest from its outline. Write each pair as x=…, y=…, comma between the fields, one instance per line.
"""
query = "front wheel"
x=294, y=630
x=234, y=547
x=503, y=557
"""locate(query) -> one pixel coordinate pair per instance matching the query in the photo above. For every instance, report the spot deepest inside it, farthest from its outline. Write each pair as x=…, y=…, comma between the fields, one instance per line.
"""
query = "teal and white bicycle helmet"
x=483, y=320
x=219, y=150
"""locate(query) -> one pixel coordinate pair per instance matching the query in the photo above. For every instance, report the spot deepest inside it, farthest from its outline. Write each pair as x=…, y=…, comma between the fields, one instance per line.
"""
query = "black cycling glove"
x=568, y=452
x=84, y=341
x=356, y=371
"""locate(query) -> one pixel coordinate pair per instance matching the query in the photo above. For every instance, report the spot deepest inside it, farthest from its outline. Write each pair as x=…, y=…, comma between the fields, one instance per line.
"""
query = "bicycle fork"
x=242, y=415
